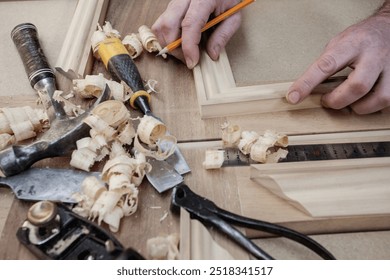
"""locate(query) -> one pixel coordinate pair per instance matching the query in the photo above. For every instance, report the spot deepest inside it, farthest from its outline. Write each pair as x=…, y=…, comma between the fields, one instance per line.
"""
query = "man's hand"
x=186, y=18
x=365, y=47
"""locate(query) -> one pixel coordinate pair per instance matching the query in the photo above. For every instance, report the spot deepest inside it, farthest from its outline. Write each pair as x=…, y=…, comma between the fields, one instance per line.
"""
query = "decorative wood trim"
x=219, y=96
x=331, y=188
x=75, y=57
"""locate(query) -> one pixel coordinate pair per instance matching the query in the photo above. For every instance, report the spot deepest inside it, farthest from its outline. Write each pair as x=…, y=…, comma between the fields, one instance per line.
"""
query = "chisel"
x=122, y=68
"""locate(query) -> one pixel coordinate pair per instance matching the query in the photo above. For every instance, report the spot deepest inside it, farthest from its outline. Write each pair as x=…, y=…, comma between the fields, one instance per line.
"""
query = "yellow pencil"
x=170, y=47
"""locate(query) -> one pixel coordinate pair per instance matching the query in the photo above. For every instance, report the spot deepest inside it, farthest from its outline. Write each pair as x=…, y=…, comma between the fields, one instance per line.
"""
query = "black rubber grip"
x=25, y=37
x=122, y=68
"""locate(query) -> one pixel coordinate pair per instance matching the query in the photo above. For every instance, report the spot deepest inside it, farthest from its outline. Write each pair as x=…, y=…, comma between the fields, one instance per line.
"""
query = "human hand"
x=186, y=18
x=365, y=47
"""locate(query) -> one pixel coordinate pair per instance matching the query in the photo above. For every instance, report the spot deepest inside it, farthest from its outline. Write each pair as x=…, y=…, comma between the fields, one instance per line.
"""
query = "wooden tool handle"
x=25, y=37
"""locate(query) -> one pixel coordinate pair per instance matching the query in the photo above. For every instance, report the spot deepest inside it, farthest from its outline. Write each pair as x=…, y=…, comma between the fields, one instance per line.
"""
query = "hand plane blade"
x=47, y=184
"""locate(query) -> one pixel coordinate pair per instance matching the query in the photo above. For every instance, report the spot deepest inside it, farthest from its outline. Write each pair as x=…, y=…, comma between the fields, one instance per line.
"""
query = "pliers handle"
x=209, y=214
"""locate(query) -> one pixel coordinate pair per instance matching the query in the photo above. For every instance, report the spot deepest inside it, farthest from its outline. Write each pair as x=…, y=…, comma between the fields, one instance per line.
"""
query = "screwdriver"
x=121, y=66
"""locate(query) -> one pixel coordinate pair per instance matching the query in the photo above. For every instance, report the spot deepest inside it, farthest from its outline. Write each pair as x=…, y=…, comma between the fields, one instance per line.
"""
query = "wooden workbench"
x=177, y=105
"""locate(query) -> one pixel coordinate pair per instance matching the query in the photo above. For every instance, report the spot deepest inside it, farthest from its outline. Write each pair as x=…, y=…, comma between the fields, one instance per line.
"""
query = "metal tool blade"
x=176, y=160
x=163, y=176
x=47, y=184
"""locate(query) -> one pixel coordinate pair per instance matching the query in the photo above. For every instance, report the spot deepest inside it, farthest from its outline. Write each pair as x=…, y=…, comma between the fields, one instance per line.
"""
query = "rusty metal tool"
x=54, y=232
x=211, y=215
x=61, y=138
x=118, y=62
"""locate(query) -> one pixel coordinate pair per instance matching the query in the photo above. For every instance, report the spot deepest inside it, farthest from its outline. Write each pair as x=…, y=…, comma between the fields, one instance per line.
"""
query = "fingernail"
x=190, y=63
x=216, y=50
x=293, y=97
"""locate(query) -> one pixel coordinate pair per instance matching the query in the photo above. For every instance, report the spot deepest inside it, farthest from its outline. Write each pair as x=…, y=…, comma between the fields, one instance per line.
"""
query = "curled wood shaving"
x=266, y=148
x=163, y=248
x=248, y=138
x=107, y=31
x=150, y=130
x=149, y=40
x=261, y=149
x=133, y=45
x=231, y=135
x=156, y=151
x=6, y=140
x=83, y=158
x=21, y=123
x=151, y=86
x=113, y=112
x=90, y=87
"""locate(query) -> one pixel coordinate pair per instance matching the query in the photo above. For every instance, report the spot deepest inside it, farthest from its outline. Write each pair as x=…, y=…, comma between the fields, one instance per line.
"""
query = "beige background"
x=278, y=39
x=52, y=19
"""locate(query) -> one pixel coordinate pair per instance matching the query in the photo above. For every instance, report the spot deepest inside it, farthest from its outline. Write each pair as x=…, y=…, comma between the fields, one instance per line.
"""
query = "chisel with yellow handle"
x=121, y=66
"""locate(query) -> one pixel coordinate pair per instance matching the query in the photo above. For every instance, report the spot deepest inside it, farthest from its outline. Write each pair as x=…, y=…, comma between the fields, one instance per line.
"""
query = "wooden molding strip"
x=330, y=188
x=219, y=96
x=76, y=54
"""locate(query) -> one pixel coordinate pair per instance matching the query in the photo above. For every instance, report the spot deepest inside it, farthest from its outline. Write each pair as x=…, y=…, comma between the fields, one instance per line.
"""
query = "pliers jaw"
x=199, y=207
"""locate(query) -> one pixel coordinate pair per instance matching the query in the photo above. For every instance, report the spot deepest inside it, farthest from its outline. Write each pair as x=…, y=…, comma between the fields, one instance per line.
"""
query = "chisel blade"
x=163, y=176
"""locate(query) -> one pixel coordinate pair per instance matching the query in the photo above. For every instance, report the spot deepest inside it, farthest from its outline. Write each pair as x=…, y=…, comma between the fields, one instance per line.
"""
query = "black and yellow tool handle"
x=25, y=37
x=122, y=68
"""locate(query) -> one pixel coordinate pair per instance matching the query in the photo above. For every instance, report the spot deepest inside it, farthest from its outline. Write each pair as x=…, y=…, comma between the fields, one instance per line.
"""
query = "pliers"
x=209, y=214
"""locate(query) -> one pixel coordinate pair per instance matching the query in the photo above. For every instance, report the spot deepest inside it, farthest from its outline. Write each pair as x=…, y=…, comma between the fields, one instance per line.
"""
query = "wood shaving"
x=214, y=159
x=6, y=140
x=133, y=45
x=90, y=87
x=21, y=123
x=107, y=31
x=266, y=148
x=122, y=173
x=231, y=135
x=163, y=248
x=149, y=40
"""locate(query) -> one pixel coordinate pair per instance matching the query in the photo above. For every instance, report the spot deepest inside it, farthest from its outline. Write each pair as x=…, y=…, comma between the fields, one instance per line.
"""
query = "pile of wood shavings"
x=266, y=148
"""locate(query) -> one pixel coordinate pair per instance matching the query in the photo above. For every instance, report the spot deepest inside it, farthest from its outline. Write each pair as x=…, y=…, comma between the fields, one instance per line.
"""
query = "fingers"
x=222, y=34
x=167, y=27
x=359, y=83
x=196, y=18
x=330, y=62
x=377, y=100
x=186, y=18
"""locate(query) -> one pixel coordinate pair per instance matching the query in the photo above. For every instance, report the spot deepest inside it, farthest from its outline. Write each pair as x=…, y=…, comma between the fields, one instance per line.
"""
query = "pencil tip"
x=163, y=51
